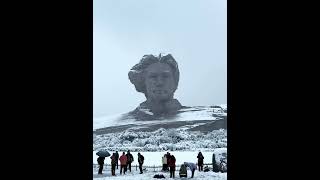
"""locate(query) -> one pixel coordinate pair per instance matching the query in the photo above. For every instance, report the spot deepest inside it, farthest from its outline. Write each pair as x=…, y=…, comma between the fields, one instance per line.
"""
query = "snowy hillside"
x=201, y=118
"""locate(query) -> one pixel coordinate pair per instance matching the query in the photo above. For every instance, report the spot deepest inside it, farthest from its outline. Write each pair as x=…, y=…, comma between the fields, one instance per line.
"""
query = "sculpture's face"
x=159, y=82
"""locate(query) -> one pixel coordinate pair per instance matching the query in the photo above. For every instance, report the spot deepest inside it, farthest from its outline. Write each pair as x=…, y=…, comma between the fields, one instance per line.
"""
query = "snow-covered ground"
x=223, y=106
x=106, y=121
x=134, y=175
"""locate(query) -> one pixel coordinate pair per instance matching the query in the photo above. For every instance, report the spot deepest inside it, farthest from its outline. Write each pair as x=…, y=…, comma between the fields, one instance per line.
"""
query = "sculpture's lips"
x=160, y=91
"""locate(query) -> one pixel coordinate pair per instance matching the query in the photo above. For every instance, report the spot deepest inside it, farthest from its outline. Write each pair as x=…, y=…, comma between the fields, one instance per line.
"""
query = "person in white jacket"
x=192, y=167
x=164, y=163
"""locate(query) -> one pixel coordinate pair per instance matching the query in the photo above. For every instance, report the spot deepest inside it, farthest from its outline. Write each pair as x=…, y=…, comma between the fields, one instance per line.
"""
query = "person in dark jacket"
x=100, y=162
x=140, y=161
x=129, y=160
x=172, y=164
x=117, y=157
x=215, y=167
x=200, y=161
x=167, y=156
x=113, y=164
x=183, y=171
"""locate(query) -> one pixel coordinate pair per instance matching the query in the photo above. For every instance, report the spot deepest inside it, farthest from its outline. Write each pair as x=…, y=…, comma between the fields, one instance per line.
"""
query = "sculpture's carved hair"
x=136, y=74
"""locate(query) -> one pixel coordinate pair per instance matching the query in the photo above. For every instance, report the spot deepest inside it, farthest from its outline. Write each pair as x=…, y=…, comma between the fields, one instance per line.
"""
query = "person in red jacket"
x=172, y=164
x=123, y=163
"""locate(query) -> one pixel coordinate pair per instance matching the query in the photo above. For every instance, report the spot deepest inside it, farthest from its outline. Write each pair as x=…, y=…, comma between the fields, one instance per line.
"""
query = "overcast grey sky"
x=193, y=31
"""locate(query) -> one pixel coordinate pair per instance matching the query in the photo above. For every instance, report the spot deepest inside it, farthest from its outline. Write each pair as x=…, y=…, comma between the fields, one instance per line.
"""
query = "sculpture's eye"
x=165, y=76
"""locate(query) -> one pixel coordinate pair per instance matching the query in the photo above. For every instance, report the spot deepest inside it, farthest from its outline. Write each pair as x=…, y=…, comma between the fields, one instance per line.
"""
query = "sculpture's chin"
x=161, y=97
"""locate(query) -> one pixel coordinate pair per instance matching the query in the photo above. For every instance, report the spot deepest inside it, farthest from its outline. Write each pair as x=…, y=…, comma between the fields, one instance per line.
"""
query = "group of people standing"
x=168, y=164
x=125, y=162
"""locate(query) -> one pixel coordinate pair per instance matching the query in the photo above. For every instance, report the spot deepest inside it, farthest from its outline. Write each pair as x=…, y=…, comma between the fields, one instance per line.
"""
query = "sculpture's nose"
x=159, y=81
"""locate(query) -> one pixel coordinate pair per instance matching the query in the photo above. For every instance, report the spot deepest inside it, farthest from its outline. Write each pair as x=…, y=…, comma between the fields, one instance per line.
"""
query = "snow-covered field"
x=134, y=175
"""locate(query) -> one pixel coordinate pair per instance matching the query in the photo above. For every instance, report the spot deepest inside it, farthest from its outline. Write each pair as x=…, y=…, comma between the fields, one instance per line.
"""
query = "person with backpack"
x=172, y=164
x=100, y=162
x=123, y=163
x=192, y=167
x=129, y=160
x=113, y=164
x=117, y=157
x=183, y=171
x=200, y=161
x=140, y=161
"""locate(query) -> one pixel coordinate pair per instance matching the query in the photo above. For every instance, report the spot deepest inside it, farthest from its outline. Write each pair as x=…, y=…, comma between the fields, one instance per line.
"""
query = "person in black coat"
x=140, y=161
x=100, y=162
x=215, y=167
x=129, y=160
x=200, y=161
x=113, y=164
x=117, y=157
